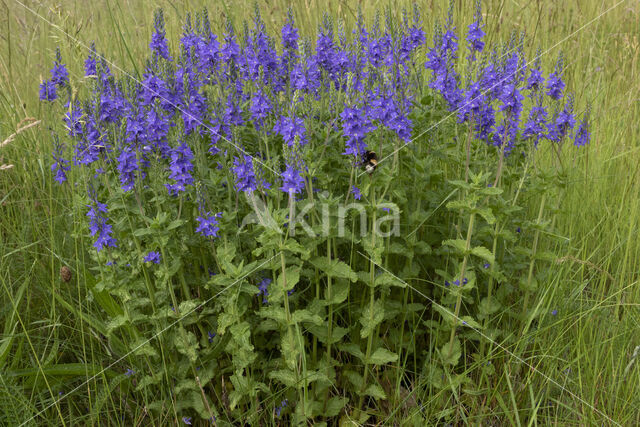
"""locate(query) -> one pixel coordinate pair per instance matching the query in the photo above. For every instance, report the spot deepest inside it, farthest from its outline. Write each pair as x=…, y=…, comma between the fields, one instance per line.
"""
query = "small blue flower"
x=186, y=420
x=356, y=192
x=211, y=336
x=283, y=405
x=153, y=257
x=208, y=224
x=554, y=312
x=263, y=289
x=486, y=265
x=129, y=372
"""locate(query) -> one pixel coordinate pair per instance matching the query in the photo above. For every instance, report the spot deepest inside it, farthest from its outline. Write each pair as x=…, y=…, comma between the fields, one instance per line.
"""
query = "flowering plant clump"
x=220, y=188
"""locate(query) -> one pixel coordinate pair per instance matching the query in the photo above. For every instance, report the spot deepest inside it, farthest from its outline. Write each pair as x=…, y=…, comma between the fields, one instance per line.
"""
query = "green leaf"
x=382, y=356
x=489, y=306
x=334, y=268
x=274, y=312
x=458, y=244
x=451, y=354
x=447, y=315
x=300, y=316
x=371, y=318
x=339, y=292
x=285, y=376
x=140, y=232
x=353, y=349
x=487, y=214
x=175, y=224
x=484, y=253
x=375, y=391
x=422, y=248
x=322, y=334
x=354, y=378
x=527, y=286
x=460, y=184
x=292, y=276
x=187, y=344
x=374, y=252
x=295, y=247
x=386, y=279
x=469, y=322
x=334, y=406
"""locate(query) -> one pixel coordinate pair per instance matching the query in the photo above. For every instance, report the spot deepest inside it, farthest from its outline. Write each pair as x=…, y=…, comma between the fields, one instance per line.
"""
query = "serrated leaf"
x=322, y=334
x=140, y=232
x=334, y=268
x=371, y=318
x=488, y=306
x=469, y=322
x=354, y=378
x=186, y=343
x=144, y=348
x=300, y=316
x=458, y=244
x=374, y=252
x=292, y=276
x=382, y=356
x=484, y=253
x=339, y=292
x=353, y=349
x=334, y=406
x=274, y=312
x=487, y=214
x=375, y=391
x=451, y=353
x=386, y=279
x=175, y=224
x=295, y=247
x=491, y=191
x=422, y=248
x=528, y=286
x=447, y=315
x=285, y=376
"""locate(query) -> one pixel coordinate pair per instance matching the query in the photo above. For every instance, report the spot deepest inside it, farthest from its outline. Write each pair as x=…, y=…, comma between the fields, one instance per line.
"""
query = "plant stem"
x=372, y=298
x=462, y=271
x=329, y=297
x=534, y=249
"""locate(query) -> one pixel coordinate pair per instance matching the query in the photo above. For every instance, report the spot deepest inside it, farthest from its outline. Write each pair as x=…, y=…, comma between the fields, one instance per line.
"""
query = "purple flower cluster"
x=153, y=257
x=60, y=165
x=220, y=89
x=59, y=78
x=208, y=224
x=98, y=224
x=263, y=289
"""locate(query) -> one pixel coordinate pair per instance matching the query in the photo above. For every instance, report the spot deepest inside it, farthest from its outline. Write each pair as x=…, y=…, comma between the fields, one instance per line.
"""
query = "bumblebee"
x=370, y=161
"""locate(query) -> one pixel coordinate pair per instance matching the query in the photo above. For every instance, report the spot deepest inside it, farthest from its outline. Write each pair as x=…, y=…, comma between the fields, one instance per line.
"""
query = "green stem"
x=534, y=249
x=329, y=297
x=462, y=271
x=372, y=299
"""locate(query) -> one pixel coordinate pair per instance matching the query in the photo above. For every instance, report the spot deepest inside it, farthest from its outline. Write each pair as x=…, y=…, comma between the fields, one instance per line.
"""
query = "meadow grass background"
x=587, y=347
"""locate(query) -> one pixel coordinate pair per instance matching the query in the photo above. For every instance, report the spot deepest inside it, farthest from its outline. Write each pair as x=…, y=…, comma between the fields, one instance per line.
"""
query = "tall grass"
x=50, y=329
